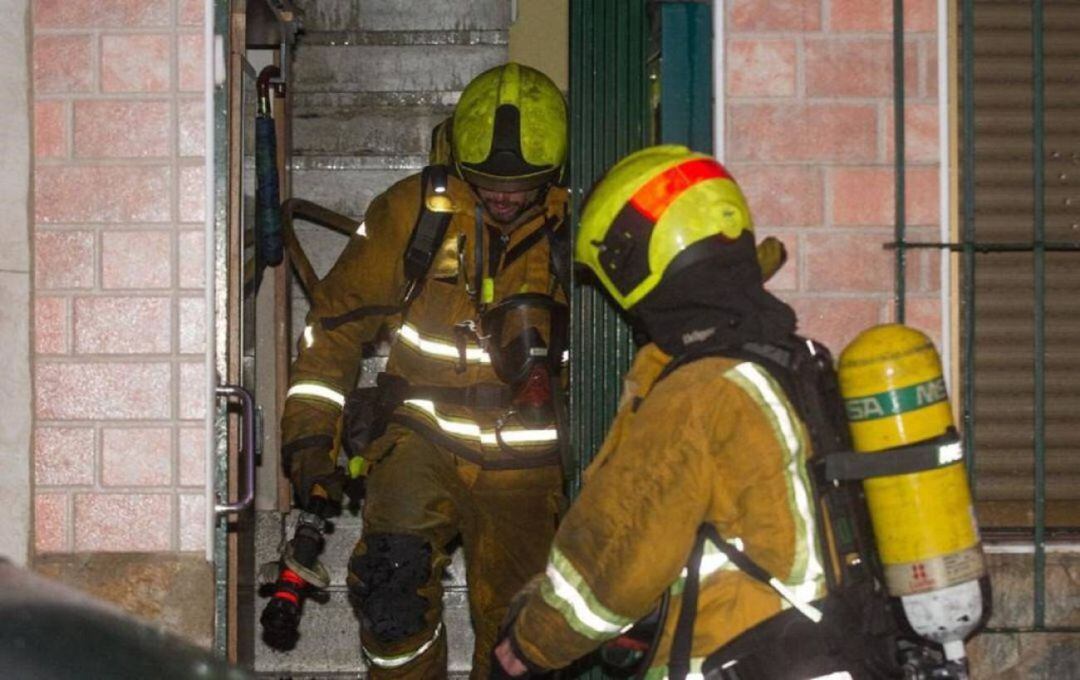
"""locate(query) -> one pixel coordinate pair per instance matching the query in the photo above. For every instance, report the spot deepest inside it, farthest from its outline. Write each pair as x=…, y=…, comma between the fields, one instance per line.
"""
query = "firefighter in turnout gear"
x=448, y=449
x=715, y=443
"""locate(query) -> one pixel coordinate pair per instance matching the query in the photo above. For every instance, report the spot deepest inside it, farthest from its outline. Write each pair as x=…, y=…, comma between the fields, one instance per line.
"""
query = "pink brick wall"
x=119, y=322
x=809, y=135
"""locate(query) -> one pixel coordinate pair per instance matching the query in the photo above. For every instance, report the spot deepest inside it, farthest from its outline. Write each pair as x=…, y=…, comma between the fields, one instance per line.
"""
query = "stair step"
x=329, y=639
x=325, y=103
x=382, y=68
x=330, y=632
x=347, y=184
x=404, y=38
x=375, y=130
x=404, y=15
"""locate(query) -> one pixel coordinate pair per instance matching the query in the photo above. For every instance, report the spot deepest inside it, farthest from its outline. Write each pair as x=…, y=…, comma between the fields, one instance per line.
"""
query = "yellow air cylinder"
x=924, y=522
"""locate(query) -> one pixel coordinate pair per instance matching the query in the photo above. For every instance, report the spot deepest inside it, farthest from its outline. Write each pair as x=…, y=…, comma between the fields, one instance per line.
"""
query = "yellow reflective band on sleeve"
x=314, y=390
x=806, y=581
x=809, y=611
x=309, y=336
x=661, y=672
x=467, y=429
x=440, y=349
x=402, y=659
x=694, y=673
x=712, y=561
x=566, y=591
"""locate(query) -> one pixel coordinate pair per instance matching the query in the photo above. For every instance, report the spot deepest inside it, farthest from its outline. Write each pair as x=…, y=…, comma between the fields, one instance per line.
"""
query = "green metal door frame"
x=613, y=45
x=686, y=73
x=609, y=118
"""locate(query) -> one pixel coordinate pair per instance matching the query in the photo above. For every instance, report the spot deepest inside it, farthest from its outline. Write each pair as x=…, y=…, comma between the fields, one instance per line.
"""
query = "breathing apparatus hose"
x=661, y=619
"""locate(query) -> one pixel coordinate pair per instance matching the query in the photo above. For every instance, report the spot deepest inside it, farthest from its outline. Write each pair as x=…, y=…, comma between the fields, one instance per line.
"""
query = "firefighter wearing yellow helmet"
x=442, y=442
x=703, y=472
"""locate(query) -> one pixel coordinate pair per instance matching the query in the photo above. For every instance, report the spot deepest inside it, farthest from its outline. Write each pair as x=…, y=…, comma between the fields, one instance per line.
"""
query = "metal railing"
x=1038, y=536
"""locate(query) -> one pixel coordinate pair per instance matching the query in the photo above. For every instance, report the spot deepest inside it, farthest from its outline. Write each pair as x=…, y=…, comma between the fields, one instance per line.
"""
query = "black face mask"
x=522, y=331
x=714, y=303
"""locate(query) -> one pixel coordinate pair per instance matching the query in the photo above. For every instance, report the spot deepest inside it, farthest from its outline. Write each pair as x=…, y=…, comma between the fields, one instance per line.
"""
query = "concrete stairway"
x=370, y=80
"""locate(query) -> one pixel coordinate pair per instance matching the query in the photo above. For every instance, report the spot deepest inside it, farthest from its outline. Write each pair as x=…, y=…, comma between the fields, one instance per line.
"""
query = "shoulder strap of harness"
x=429, y=231
x=558, y=235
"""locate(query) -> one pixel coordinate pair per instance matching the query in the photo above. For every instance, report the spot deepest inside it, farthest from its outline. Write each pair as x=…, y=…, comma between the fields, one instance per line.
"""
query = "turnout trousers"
x=420, y=499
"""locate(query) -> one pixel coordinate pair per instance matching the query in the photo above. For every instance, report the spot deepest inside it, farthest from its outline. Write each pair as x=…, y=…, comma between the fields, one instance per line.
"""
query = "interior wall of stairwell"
x=15, y=422
x=118, y=470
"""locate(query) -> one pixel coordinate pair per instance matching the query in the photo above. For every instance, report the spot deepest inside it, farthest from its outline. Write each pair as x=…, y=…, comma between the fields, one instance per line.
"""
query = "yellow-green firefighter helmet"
x=648, y=209
x=509, y=129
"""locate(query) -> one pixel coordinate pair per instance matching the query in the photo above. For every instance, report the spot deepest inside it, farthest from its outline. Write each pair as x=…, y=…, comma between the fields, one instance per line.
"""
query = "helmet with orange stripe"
x=654, y=213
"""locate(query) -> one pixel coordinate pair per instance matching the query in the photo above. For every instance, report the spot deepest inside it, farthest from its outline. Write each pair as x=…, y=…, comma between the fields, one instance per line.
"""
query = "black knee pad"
x=385, y=581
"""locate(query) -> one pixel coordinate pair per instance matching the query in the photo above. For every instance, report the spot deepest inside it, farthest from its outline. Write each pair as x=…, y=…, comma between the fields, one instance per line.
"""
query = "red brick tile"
x=922, y=263
x=136, y=63
x=102, y=390
x=856, y=68
x=102, y=194
x=63, y=63
x=760, y=68
x=919, y=15
x=64, y=456
x=192, y=456
x=136, y=259
x=122, y=129
x=136, y=456
x=192, y=66
x=51, y=523
x=193, y=526
x=920, y=133
x=865, y=196
x=101, y=13
x=50, y=325
x=783, y=196
x=835, y=321
x=50, y=128
x=930, y=75
x=924, y=313
x=862, y=196
x=192, y=134
x=63, y=259
x=851, y=262
x=814, y=132
x=931, y=264
x=192, y=325
x=193, y=391
x=191, y=12
x=775, y=15
x=123, y=325
x=123, y=522
x=861, y=15
x=923, y=194
x=192, y=259
x=192, y=193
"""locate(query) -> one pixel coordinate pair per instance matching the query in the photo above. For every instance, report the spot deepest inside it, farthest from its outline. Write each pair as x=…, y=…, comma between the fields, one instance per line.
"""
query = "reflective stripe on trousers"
x=402, y=659
x=315, y=390
x=463, y=428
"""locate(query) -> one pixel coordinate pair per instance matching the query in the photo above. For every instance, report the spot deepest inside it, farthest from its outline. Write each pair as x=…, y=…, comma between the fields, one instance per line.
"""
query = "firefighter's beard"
x=506, y=206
